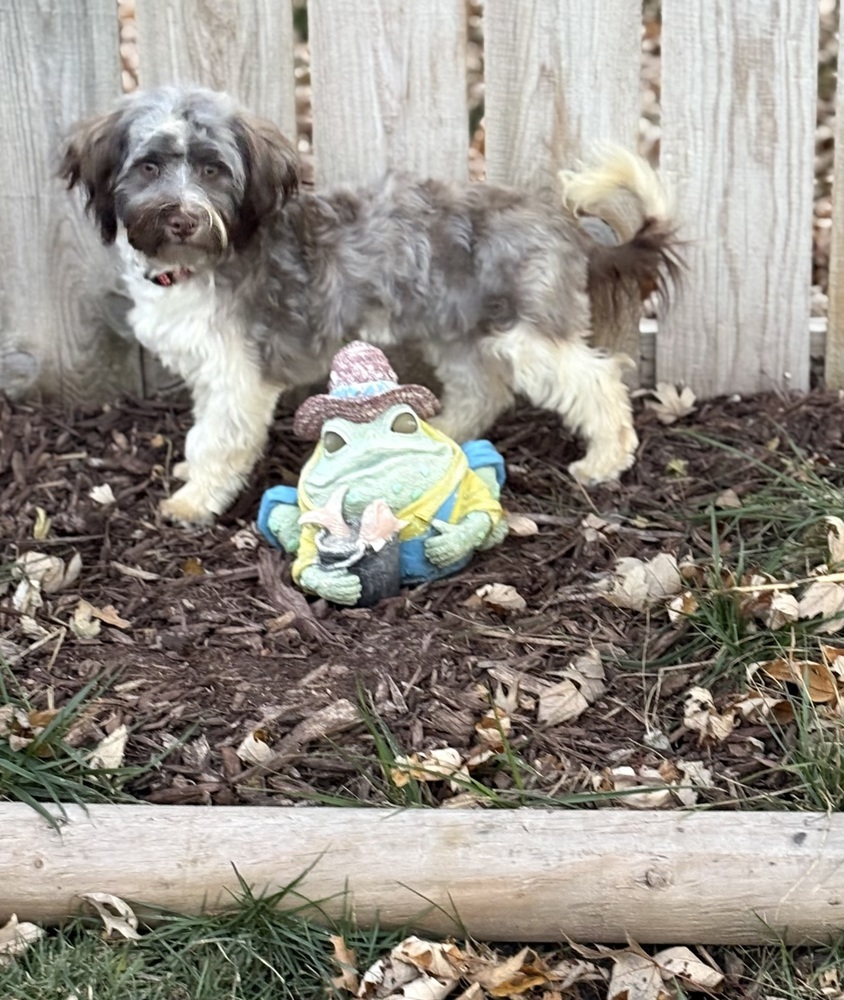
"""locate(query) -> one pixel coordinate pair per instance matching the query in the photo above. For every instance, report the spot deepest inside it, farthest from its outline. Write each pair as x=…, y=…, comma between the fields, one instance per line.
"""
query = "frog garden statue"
x=386, y=499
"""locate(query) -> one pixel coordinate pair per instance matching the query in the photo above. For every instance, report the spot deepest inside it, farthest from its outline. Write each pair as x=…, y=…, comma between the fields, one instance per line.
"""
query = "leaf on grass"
x=15, y=938
x=108, y=753
x=637, y=584
x=826, y=599
x=103, y=494
x=835, y=542
x=669, y=405
x=728, y=500
x=816, y=678
x=117, y=916
x=682, y=963
x=12, y=720
x=345, y=957
x=772, y=607
x=501, y=597
x=701, y=717
x=652, y=792
x=427, y=765
x=83, y=624
x=494, y=727
x=520, y=525
x=682, y=606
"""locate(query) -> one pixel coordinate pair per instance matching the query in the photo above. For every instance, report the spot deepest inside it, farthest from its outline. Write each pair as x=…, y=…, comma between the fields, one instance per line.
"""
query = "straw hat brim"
x=312, y=414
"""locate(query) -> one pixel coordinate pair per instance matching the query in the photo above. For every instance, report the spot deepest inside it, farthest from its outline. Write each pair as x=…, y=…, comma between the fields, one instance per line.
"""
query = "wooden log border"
x=524, y=875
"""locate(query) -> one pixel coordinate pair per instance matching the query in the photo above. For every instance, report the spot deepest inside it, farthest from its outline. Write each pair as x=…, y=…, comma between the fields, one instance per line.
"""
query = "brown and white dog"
x=244, y=286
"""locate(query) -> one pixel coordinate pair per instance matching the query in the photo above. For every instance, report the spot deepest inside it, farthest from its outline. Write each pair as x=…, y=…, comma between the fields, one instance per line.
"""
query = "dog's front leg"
x=231, y=417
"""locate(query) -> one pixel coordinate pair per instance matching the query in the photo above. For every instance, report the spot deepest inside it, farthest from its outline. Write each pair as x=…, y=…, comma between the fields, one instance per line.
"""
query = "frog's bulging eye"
x=333, y=441
x=405, y=423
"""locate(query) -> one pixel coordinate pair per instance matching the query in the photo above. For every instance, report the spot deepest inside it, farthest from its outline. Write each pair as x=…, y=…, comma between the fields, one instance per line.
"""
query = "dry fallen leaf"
x=728, y=500
x=47, y=570
x=623, y=778
x=108, y=753
x=15, y=938
x=520, y=525
x=636, y=977
x=637, y=584
x=345, y=957
x=102, y=494
x=582, y=685
x=427, y=765
x=701, y=717
x=816, y=678
x=117, y=916
x=43, y=523
x=415, y=970
x=83, y=624
x=826, y=599
x=670, y=405
x=682, y=606
x=253, y=749
x=682, y=963
x=501, y=597
x=109, y=615
x=835, y=542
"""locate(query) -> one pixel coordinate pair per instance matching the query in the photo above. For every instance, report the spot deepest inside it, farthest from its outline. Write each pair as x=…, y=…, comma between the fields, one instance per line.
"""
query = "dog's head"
x=183, y=170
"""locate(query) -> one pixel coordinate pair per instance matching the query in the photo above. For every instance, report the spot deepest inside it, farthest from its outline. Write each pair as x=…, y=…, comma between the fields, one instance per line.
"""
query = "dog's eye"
x=333, y=441
x=210, y=170
x=405, y=423
x=149, y=169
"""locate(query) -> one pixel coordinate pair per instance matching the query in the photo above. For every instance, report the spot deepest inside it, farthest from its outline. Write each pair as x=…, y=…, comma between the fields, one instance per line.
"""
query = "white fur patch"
x=585, y=386
x=194, y=329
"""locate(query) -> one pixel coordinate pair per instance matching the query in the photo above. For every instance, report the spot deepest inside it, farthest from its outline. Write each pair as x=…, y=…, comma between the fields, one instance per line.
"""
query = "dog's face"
x=184, y=171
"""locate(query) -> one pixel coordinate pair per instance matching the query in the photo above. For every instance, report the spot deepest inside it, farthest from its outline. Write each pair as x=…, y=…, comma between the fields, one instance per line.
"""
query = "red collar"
x=167, y=278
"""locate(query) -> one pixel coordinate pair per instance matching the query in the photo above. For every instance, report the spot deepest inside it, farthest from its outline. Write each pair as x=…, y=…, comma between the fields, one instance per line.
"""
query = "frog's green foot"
x=337, y=586
x=456, y=541
x=283, y=523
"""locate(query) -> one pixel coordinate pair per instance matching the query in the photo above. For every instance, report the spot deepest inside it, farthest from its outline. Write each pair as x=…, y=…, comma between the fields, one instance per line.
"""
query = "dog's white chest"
x=190, y=327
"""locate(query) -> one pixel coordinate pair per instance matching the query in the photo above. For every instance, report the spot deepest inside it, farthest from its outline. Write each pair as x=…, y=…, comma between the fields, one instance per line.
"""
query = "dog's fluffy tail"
x=639, y=253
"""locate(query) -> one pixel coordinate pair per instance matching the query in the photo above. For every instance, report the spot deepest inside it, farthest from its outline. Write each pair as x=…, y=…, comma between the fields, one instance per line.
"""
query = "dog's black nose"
x=181, y=225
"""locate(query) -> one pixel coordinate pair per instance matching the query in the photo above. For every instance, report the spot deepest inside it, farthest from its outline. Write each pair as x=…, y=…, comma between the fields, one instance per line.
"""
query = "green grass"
x=251, y=952
x=49, y=769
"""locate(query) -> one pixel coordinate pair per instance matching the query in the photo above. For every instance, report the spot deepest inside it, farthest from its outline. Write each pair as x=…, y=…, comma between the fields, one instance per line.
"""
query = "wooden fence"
x=738, y=97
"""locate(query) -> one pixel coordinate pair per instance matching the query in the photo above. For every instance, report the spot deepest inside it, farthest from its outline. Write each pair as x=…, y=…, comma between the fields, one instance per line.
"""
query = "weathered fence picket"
x=739, y=90
x=242, y=46
x=389, y=88
x=59, y=61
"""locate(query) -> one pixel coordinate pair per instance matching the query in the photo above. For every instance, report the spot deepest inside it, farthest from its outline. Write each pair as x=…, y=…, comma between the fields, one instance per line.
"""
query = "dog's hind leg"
x=584, y=385
x=475, y=391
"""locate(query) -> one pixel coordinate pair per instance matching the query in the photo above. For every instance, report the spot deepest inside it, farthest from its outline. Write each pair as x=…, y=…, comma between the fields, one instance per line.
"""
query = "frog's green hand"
x=338, y=586
x=497, y=533
x=283, y=524
x=456, y=541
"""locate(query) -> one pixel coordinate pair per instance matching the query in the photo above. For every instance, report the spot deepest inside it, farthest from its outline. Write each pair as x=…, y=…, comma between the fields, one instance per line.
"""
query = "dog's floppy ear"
x=272, y=170
x=93, y=153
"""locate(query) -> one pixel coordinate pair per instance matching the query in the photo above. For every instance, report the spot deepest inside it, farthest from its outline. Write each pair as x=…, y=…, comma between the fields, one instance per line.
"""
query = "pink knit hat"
x=362, y=385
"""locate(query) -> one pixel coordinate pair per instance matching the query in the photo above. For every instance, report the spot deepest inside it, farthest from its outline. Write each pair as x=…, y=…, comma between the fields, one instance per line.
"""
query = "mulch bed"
x=219, y=644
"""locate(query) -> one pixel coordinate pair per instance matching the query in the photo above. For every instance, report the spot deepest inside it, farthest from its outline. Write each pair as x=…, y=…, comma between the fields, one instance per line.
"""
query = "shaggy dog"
x=245, y=286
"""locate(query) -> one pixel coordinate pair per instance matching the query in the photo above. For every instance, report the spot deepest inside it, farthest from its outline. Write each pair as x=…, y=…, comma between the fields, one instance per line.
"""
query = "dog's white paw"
x=604, y=465
x=181, y=470
x=187, y=506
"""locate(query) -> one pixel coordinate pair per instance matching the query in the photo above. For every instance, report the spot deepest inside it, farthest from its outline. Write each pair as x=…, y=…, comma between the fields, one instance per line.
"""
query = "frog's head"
x=395, y=456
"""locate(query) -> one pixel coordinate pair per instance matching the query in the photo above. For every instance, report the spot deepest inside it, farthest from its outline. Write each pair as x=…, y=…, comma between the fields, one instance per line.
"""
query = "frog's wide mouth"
x=384, y=467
